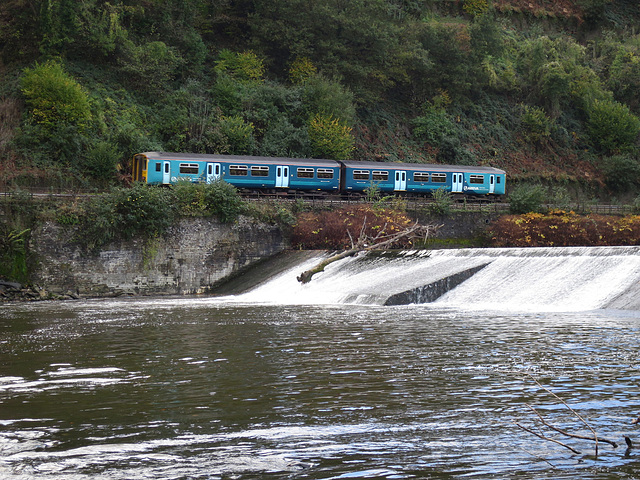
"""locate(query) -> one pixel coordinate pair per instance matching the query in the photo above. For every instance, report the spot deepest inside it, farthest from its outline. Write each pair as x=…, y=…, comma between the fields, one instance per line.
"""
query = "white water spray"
x=531, y=279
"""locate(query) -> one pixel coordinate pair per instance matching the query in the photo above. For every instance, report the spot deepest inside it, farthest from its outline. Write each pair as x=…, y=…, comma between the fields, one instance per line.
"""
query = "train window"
x=238, y=170
x=497, y=179
x=158, y=167
x=476, y=178
x=305, y=172
x=189, y=168
x=380, y=175
x=361, y=174
x=325, y=173
x=420, y=177
x=259, y=171
x=439, y=177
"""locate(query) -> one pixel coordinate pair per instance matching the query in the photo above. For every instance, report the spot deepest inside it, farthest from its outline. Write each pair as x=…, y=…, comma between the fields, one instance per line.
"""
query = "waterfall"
x=523, y=279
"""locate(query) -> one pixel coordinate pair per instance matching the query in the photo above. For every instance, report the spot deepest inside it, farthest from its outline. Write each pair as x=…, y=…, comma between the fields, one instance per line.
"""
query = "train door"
x=166, y=173
x=213, y=172
x=492, y=183
x=401, y=181
x=457, y=182
x=282, y=176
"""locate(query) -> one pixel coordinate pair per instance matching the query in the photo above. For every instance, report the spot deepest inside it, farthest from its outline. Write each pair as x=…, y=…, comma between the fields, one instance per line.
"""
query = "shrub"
x=442, y=202
x=302, y=69
x=126, y=212
x=611, y=126
x=527, y=198
x=151, y=66
x=238, y=135
x=243, y=67
x=13, y=254
x=622, y=172
x=535, y=123
x=329, y=98
x=100, y=161
x=559, y=228
x=434, y=125
x=218, y=198
x=330, y=138
x=475, y=7
x=53, y=97
x=331, y=230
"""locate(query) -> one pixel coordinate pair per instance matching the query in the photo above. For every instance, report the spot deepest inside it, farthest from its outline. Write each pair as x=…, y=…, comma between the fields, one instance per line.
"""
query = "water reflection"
x=184, y=388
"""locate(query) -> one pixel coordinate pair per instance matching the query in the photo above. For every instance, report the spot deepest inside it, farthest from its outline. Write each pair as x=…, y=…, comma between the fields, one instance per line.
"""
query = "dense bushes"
x=219, y=199
x=144, y=211
x=126, y=212
x=563, y=229
x=335, y=229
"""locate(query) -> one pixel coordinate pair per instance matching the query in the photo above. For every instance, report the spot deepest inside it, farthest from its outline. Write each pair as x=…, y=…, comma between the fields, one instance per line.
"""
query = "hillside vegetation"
x=547, y=90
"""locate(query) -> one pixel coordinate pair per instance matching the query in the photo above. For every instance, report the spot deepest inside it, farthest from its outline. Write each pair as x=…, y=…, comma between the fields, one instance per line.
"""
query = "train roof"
x=201, y=157
x=427, y=167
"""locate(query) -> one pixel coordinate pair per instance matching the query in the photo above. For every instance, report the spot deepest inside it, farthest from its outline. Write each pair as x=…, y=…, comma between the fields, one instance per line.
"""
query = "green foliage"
x=611, y=126
x=101, y=160
x=555, y=72
x=434, y=125
x=54, y=98
x=475, y=7
x=124, y=213
x=150, y=67
x=330, y=138
x=328, y=97
x=593, y=9
x=13, y=253
x=218, y=198
x=624, y=76
x=238, y=135
x=59, y=25
x=527, y=198
x=442, y=202
x=536, y=124
x=241, y=66
x=622, y=172
x=302, y=69
x=486, y=36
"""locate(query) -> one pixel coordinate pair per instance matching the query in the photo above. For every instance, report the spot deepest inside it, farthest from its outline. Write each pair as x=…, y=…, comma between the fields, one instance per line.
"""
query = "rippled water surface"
x=209, y=389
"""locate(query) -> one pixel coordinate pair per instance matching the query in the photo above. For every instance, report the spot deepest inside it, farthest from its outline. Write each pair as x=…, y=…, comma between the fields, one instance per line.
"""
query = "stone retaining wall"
x=193, y=256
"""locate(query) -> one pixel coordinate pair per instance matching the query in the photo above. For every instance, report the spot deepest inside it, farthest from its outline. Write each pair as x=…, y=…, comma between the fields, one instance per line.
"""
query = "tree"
x=611, y=126
x=330, y=138
x=54, y=97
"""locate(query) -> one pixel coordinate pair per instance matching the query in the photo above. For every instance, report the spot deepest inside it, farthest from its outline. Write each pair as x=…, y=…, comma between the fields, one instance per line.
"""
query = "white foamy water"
x=532, y=279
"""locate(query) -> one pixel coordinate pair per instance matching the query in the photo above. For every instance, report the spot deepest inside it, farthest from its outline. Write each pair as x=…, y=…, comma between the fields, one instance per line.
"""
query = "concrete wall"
x=192, y=257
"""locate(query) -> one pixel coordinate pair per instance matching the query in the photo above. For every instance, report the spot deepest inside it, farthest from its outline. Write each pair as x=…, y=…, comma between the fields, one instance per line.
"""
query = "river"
x=210, y=388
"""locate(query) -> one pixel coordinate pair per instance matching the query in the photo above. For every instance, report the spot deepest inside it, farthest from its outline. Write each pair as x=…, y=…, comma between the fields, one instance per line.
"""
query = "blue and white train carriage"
x=422, y=178
x=308, y=175
x=244, y=172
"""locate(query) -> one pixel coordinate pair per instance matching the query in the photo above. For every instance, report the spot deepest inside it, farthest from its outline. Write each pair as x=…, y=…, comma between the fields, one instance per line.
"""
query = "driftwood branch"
x=595, y=435
x=539, y=435
x=569, y=434
x=380, y=241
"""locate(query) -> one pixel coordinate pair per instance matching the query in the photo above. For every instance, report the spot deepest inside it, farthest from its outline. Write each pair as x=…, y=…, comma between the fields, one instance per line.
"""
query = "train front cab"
x=139, y=168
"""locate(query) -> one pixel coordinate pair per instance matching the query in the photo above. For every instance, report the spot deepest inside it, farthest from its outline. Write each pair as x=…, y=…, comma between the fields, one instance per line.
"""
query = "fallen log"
x=365, y=243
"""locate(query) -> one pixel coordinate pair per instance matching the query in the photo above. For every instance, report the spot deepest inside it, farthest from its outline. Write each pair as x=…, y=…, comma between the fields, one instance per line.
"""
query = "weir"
x=521, y=279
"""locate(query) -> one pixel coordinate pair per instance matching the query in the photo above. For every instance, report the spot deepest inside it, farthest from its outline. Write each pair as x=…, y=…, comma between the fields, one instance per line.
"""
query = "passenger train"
x=292, y=175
